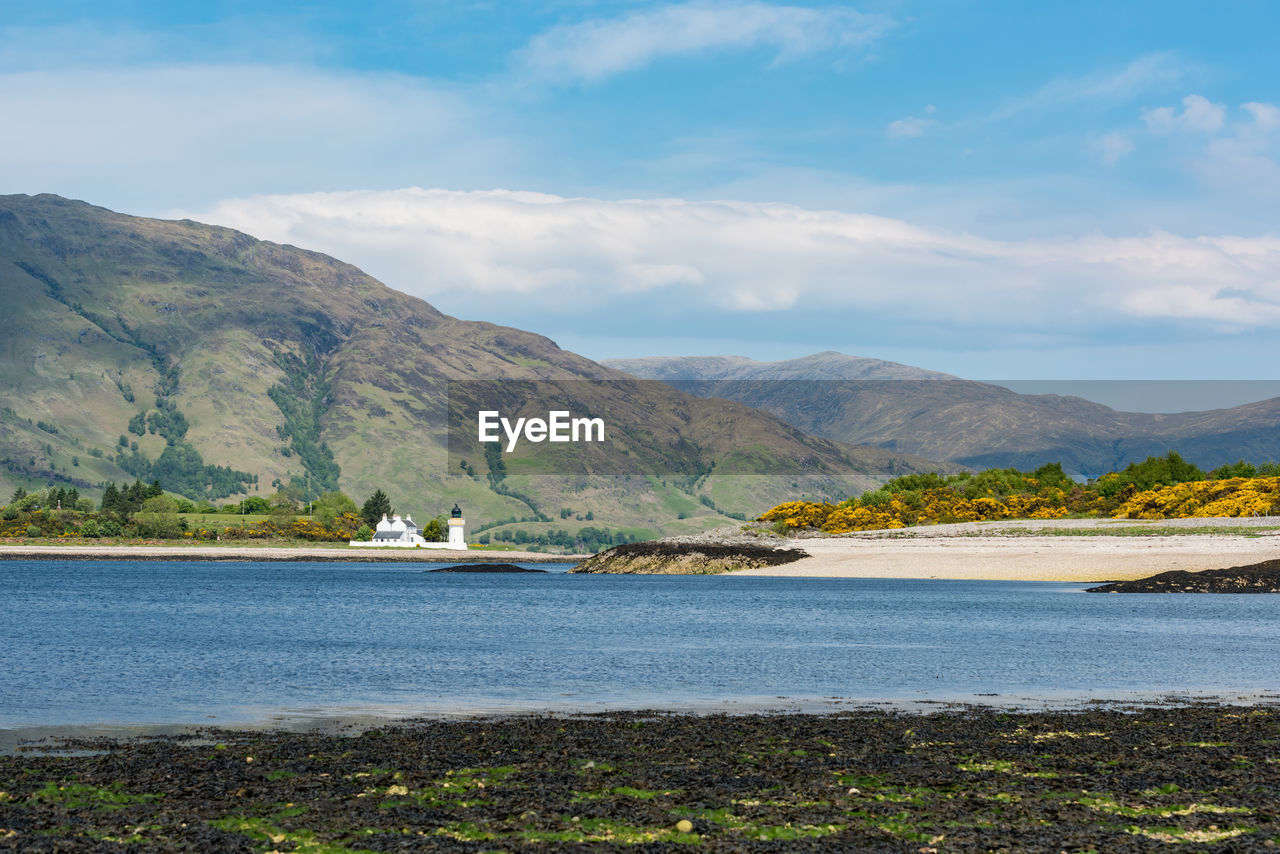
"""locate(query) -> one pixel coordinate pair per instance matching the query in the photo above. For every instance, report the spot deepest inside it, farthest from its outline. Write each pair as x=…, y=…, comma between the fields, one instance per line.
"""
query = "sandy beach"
x=1033, y=551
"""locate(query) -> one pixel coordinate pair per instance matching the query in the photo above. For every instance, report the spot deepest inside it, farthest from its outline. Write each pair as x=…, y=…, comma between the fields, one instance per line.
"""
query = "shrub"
x=328, y=508
x=90, y=529
x=33, y=532
x=364, y=533
x=158, y=518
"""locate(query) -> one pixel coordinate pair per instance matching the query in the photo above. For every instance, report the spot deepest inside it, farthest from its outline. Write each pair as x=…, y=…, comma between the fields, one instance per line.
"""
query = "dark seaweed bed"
x=1109, y=780
x=1255, y=578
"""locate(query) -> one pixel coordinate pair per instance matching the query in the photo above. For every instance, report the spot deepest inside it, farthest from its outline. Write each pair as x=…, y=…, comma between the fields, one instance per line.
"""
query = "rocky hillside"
x=221, y=364
x=909, y=410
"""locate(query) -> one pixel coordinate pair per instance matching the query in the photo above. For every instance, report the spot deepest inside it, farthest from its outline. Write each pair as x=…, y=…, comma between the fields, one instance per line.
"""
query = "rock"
x=664, y=557
x=484, y=567
x=1255, y=578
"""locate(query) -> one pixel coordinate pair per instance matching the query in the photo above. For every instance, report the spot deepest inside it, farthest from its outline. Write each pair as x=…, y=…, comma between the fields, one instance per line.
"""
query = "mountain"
x=221, y=364
x=909, y=410
x=827, y=365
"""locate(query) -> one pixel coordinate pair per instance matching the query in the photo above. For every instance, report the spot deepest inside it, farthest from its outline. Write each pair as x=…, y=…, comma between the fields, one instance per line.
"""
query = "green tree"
x=158, y=518
x=1151, y=472
x=497, y=465
x=1236, y=469
x=284, y=509
x=111, y=499
x=434, y=531
x=255, y=504
x=328, y=507
x=375, y=508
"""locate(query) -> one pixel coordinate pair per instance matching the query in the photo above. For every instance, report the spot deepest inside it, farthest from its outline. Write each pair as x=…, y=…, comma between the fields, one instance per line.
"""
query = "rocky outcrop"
x=485, y=567
x=1255, y=578
x=661, y=557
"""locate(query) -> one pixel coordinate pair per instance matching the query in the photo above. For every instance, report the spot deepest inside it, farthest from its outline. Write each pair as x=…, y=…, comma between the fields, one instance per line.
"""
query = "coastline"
x=345, y=554
x=1065, y=550
x=1060, y=558
x=1070, y=550
x=1105, y=778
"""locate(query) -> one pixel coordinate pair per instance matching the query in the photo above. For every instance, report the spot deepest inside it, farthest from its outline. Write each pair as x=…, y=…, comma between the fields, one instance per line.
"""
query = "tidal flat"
x=1203, y=777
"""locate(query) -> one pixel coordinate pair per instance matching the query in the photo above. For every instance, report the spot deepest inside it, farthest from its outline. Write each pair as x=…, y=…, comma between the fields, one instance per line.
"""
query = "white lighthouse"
x=457, y=528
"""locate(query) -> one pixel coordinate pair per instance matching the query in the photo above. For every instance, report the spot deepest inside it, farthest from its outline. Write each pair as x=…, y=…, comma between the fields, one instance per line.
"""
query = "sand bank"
x=987, y=551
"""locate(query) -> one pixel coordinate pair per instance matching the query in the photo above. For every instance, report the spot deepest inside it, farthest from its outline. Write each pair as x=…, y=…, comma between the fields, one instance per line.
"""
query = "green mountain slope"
x=221, y=364
x=906, y=409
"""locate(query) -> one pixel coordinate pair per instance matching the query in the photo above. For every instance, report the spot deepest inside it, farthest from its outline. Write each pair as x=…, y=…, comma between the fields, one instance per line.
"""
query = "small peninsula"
x=687, y=556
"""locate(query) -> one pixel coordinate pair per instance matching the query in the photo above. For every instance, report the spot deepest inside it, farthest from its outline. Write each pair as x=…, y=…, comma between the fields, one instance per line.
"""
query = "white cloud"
x=1112, y=147
x=1242, y=155
x=208, y=131
x=595, y=49
x=574, y=255
x=1198, y=114
x=1266, y=117
x=911, y=126
x=1111, y=85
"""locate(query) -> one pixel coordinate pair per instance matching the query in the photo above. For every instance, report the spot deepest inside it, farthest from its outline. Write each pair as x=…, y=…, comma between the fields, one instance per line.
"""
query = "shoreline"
x=42, y=737
x=1067, y=559
x=337, y=554
x=1067, y=550
x=1108, y=779
x=1091, y=551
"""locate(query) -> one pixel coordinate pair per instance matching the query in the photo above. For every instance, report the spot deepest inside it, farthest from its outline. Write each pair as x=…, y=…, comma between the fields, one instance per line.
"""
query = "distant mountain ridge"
x=827, y=365
x=906, y=409
x=217, y=363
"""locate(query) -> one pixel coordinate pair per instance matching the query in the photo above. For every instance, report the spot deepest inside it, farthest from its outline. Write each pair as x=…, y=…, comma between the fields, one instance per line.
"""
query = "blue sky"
x=1017, y=190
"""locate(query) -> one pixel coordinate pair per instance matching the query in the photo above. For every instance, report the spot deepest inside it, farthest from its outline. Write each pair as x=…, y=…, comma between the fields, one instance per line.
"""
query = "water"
x=99, y=642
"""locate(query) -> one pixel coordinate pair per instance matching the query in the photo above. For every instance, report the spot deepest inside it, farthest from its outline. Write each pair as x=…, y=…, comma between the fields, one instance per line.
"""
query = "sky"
x=1014, y=190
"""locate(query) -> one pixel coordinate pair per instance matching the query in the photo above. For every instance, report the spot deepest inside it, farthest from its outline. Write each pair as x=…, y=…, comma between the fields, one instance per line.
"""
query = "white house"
x=401, y=533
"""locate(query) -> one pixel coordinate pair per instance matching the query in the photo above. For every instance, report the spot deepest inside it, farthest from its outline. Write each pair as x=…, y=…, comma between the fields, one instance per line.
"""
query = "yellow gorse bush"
x=1232, y=497
x=933, y=506
x=1238, y=496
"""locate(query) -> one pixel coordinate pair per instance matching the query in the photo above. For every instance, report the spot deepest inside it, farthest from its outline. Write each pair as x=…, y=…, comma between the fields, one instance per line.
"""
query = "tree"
x=18, y=495
x=328, y=507
x=254, y=504
x=111, y=499
x=376, y=507
x=434, y=531
x=284, y=510
x=158, y=518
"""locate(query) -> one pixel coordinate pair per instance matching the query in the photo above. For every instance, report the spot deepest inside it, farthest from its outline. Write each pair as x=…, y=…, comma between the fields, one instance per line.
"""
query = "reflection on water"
x=220, y=643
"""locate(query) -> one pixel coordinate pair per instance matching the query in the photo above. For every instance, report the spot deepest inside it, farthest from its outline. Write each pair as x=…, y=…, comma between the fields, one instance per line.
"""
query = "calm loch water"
x=168, y=642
